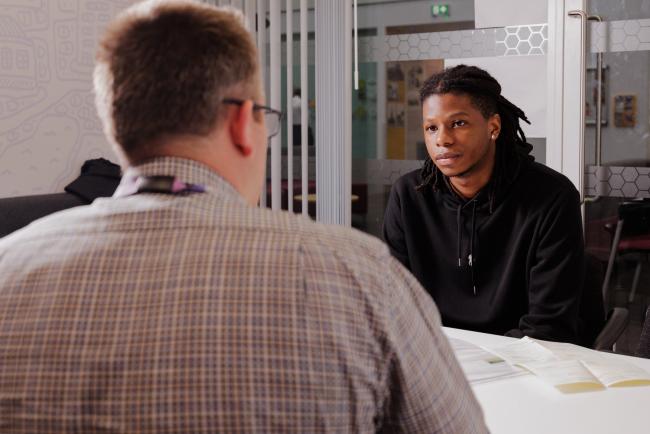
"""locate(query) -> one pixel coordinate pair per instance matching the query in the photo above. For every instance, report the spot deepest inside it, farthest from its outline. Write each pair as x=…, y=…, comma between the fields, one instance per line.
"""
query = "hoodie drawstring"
x=470, y=258
x=471, y=245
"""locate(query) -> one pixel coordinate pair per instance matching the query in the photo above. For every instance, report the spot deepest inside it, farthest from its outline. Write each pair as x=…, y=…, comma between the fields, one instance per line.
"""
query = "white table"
x=525, y=404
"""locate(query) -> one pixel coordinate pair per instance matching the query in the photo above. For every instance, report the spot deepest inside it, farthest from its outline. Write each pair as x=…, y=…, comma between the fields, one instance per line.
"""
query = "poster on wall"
x=404, y=137
x=395, y=90
x=625, y=111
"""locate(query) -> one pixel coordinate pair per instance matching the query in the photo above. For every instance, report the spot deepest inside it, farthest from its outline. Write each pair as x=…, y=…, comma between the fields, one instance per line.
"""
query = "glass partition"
x=407, y=44
x=617, y=154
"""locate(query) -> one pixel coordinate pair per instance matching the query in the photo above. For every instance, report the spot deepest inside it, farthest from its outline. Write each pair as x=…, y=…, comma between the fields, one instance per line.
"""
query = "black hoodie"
x=509, y=261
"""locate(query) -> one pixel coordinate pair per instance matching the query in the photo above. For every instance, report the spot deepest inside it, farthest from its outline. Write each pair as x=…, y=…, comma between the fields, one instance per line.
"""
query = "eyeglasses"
x=272, y=117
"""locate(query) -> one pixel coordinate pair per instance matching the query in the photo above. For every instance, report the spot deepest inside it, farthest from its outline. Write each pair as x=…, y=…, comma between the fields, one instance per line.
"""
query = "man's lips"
x=447, y=158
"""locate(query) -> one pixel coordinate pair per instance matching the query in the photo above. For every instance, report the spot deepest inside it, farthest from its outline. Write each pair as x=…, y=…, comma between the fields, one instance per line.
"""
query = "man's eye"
x=432, y=129
x=458, y=123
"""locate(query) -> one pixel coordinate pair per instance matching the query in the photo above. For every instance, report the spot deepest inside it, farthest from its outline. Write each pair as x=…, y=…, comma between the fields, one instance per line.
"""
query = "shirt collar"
x=188, y=171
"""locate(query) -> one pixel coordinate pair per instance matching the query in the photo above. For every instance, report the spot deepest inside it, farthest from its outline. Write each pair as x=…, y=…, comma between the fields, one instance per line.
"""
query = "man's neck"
x=202, y=149
x=467, y=186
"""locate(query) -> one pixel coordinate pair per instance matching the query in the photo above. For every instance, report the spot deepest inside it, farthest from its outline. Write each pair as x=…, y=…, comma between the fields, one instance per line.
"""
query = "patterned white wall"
x=48, y=125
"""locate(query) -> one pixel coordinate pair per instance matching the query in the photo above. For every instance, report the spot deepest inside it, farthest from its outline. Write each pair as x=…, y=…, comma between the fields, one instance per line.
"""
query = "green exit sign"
x=439, y=10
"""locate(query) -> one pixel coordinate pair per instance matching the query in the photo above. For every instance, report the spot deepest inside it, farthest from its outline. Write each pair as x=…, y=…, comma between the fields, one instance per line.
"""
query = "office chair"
x=98, y=178
x=617, y=320
x=643, y=349
x=16, y=212
x=599, y=331
x=631, y=237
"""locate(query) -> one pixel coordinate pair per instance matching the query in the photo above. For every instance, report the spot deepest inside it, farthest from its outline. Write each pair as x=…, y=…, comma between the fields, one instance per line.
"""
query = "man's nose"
x=444, y=138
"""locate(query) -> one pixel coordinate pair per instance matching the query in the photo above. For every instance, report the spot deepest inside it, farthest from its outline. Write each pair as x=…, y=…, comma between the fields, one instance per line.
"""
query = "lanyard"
x=158, y=184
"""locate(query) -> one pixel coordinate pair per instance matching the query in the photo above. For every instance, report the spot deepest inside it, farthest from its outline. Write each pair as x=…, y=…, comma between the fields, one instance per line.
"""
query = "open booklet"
x=571, y=368
x=481, y=366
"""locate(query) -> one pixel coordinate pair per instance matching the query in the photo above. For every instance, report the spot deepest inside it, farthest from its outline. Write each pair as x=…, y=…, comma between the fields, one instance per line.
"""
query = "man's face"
x=458, y=137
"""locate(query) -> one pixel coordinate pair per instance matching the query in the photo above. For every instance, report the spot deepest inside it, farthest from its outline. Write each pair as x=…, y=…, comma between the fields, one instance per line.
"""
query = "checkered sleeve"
x=428, y=389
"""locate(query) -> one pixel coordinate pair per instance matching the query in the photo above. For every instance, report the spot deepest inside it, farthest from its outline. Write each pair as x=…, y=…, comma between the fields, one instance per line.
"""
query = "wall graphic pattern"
x=617, y=181
x=623, y=35
x=48, y=125
x=527, y=40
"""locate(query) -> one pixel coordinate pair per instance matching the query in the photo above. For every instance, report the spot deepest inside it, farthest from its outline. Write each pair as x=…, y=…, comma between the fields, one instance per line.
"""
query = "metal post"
x=333, y=111
x=275, y=100
x=289, y=38
x=304, y=98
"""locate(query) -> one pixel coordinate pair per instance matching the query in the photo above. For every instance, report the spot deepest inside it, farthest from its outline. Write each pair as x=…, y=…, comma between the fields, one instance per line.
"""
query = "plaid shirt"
x=198, y=313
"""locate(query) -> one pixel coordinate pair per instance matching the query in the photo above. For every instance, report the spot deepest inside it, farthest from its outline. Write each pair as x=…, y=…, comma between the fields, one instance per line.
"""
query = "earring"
x=494, y=136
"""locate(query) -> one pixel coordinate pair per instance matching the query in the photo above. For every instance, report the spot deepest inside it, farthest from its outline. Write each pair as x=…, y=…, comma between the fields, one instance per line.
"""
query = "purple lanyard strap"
x=158, y=184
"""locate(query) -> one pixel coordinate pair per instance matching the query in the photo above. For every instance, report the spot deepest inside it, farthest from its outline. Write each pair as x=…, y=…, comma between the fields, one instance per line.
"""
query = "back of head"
x=163, y=68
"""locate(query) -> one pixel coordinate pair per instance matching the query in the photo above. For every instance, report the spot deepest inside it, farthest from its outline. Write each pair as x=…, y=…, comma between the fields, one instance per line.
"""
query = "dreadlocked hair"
x=485, y=93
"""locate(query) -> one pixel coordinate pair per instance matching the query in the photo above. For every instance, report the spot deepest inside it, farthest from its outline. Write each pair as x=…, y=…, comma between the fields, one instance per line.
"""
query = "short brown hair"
x=164, y=67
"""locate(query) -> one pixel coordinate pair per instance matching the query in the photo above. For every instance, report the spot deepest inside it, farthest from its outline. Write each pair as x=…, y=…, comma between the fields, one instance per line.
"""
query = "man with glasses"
x=272, y=117
x=178, y=305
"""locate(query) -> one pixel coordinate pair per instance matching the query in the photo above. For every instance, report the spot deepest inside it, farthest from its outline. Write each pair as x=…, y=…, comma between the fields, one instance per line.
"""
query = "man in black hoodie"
x=495, y=237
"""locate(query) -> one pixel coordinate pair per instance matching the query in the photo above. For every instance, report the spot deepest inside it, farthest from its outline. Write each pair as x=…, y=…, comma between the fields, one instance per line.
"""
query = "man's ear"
x=494, y=125
x=241, y=127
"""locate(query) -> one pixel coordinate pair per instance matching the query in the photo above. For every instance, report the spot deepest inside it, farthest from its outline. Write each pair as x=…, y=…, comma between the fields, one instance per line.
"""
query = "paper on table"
x=524, y=351
x=571, y=368
x=568, y=376
x=564, y=351
x=479, y=365
x=618, y=374
x=609, y=373
x=467, y=351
